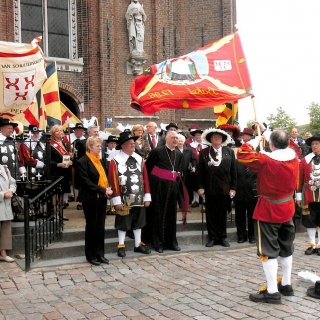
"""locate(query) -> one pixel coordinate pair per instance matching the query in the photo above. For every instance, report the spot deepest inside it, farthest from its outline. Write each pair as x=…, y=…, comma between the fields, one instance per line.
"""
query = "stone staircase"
x=69, y=245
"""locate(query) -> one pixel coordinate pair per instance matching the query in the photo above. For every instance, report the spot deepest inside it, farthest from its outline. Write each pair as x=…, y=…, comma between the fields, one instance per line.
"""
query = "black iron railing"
x=46, y=210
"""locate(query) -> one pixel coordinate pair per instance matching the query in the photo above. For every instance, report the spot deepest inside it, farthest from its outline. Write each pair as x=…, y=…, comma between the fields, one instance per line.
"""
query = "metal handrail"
x=48, y=223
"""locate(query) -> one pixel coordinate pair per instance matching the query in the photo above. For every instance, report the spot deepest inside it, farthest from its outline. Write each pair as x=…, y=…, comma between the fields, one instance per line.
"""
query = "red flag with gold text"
x=210, y=76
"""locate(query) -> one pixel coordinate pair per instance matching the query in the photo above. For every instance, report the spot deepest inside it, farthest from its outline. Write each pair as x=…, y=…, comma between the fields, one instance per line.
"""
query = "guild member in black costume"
x=32, y=153
x=246, y=197
x=128, y=179
x=217, y=179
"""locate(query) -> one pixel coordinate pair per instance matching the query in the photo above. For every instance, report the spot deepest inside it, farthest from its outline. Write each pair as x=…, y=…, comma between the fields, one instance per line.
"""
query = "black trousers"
x=95, y=214
x=216, y=216
x=244, y=212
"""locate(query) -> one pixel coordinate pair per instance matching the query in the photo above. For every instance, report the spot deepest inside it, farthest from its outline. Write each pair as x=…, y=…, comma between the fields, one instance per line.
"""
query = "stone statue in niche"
x=135, y=23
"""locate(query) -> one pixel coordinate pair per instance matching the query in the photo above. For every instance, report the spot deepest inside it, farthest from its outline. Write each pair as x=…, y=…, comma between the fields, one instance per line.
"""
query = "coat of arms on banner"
x=18, y=88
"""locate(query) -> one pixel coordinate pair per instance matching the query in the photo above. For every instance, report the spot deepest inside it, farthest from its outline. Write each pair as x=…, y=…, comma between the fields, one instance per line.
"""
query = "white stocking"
x=137, y=237
x=195, y=196
x=312, y=235
x=121, y=235
x=286, y=264
x=270, y=268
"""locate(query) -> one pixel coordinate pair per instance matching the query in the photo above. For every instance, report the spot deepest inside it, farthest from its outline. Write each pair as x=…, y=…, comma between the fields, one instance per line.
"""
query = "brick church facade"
x=88, y=39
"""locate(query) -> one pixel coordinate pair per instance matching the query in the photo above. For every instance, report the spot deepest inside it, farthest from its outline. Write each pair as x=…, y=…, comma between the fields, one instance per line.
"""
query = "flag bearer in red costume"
x=276, y=180
x=308, y=193
x=128, y=178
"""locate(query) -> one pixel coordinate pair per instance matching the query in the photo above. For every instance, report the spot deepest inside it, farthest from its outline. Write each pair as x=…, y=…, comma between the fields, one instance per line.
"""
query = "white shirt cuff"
x=116, y=200
x=39, y=165
x=147, y=197
x=22, y=170
x=298, y=196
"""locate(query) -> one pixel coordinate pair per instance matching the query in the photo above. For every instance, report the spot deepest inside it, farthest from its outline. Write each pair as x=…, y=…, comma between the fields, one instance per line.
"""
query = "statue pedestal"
x=135, y=63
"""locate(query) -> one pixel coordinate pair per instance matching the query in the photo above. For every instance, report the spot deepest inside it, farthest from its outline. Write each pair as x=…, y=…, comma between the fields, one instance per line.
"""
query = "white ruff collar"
x=309, y=157
x=194, y=144
x=281, y=154
x=122, y=157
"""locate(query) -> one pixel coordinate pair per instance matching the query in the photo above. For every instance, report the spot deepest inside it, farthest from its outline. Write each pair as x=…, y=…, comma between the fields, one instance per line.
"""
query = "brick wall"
x=173, y=28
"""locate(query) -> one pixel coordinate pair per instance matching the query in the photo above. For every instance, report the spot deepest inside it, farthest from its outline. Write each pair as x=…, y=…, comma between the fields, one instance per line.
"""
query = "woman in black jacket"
x=93, y=193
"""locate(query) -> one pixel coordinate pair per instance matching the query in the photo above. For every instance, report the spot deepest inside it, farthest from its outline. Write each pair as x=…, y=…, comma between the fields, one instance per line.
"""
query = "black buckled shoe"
x=94, y=262
x=225, y=243
x=79, y=207
x=252, y=240
x=241, y=240
x=211, y=243
x=176, y=248
x=310, y=250
x=285, y=290
x=159, y=249
x=265, y=296
x=195, y=204
x=121, y=251
x=142, y=248
x=103, y=260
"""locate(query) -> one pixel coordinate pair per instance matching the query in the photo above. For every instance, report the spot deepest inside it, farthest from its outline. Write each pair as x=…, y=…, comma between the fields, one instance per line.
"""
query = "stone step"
x=112, y=256
x=62, y=249
x=69, y=247
x=77, y=234
x=73, y=253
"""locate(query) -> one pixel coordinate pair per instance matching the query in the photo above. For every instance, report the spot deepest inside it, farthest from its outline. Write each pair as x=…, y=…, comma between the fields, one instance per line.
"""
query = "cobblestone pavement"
x=204, y=285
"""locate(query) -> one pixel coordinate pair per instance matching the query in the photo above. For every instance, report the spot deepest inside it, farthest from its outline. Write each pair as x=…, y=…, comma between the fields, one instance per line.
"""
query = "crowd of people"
x=147, y=176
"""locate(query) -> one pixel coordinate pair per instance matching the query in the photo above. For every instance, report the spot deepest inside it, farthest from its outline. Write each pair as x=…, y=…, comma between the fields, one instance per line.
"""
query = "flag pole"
x=255, y=118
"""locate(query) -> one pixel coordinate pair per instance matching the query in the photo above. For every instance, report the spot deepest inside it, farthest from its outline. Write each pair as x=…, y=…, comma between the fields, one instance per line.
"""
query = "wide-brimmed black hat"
x=194, y=131
x=314, y=292
x=125, y=136
x=112, y=138
x=34, y=129
x=172, y=124
x=79, y=125
x=207, y=134
x=19, y=137
x=315, y=137
x=4, y=121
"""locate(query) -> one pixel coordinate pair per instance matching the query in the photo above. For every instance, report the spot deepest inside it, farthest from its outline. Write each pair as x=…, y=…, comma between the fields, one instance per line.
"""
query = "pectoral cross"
x=23, y=176
x=39, y=175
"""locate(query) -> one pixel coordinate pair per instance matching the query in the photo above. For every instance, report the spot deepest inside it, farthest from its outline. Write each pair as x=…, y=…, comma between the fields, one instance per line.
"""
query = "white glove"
x=39, y=165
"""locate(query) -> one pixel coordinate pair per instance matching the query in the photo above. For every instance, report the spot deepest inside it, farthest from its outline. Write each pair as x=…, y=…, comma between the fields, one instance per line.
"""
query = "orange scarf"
x=103, y=181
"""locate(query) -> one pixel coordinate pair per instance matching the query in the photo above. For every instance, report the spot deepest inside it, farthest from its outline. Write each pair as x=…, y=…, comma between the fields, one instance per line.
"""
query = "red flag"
x=210, y=76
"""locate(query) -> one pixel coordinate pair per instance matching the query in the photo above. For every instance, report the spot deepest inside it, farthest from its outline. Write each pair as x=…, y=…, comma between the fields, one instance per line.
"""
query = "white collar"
x=309, y=157
x=122, y=157
x=2, y=137
x=281, y=154
x=194, y=144
x=169, y=148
